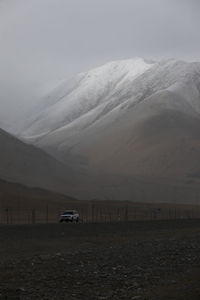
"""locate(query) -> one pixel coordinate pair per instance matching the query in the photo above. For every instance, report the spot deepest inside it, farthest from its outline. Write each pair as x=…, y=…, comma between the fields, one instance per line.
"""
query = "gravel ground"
x=153, y=260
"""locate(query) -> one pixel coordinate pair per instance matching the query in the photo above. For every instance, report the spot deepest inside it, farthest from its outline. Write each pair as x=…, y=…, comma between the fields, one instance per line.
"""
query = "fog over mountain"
x=126, y=119
x=85, y=93
x=44, y=41
x=73, y=83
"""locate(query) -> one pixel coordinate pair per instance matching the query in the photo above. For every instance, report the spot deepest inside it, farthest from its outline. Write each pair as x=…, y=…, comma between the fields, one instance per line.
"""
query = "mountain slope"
x=147, y=140
x=21, y=197
x=90, y=96
x=118, y=125
x=23, y=163
x=87, y=92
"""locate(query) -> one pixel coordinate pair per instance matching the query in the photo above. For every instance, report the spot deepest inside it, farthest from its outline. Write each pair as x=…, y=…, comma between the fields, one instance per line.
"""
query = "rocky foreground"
x=153, y=260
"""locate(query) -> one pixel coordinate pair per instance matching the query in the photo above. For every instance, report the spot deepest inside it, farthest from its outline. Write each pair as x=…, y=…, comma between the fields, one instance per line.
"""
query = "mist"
x=44, y=41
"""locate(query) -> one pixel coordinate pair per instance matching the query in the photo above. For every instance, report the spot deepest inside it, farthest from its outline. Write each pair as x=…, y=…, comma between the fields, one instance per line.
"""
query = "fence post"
x=33, y=216
x=7, y=216
x=126, y=213
x=118, y=215
x=135, y=214
x=47, y=214
x=92, y=211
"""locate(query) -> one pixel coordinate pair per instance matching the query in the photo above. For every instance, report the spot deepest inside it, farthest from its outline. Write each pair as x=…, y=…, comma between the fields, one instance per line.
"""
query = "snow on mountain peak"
x=132, y=67
x=89, y=96
x=84, y=92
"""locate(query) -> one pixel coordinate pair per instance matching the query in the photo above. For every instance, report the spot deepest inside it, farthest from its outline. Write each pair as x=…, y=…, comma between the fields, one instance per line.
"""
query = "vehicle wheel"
x=61, y=221
x=77, y=220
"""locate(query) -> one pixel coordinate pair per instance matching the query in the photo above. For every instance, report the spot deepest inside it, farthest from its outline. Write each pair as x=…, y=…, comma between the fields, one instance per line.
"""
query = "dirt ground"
x=152, y=260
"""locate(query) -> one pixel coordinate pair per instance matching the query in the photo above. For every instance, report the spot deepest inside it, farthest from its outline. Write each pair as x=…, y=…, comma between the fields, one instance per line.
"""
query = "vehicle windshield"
x=68, y=213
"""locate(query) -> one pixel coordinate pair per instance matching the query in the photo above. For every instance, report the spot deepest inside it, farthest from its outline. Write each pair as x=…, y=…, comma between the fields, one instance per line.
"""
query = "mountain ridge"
x=139, y=92
x=141, y=125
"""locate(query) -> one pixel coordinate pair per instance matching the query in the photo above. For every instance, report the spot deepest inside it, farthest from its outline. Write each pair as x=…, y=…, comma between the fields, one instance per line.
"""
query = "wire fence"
x=98, y=211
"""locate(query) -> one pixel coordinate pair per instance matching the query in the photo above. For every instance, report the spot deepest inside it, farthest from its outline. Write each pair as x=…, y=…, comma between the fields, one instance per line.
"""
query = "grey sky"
x=44, y=41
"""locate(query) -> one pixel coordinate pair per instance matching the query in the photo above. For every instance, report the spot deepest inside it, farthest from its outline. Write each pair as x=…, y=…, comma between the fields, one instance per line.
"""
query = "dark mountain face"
x=23, y=163
x=19, y=197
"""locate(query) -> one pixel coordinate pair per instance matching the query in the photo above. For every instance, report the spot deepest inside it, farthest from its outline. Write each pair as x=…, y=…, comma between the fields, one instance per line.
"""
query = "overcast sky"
x=44, y=41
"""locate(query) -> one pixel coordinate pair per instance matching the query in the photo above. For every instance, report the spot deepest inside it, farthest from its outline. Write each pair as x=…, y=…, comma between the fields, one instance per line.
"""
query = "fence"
x=98, y=211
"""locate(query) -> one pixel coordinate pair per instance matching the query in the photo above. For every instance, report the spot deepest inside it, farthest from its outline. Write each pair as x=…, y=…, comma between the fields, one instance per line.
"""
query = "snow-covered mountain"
x=86, y=93
x=127, y=118
x=90, y=96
